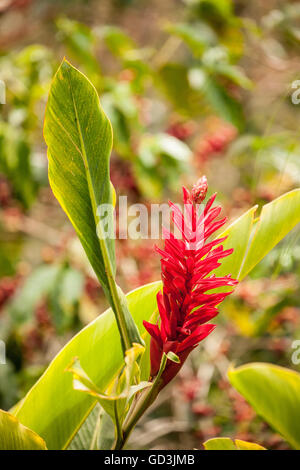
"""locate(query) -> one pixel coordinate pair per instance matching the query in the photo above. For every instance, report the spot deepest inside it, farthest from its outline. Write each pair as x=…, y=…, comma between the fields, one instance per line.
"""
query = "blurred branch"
x=154, y=429
x=167, y=51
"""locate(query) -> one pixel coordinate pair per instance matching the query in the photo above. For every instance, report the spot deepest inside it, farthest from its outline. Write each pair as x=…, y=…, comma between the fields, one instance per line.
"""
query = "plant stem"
x=146, y=399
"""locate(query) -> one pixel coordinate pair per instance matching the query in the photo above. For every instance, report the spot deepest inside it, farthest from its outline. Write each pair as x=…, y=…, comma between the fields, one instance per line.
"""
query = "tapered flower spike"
x=187, y=264
x=199, y=190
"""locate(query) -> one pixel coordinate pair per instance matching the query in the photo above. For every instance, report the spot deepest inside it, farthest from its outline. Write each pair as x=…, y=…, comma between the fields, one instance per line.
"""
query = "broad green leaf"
x=244, y=445
x=274, y=393
x=220, y=443
x=276, y=220
x=253, y=239
x=238, y=234
x=15, y=436
x=86, y=436
x=52, y=408
x=96, y=433
x=79, y=139
x=106, y=435
x=225, y=443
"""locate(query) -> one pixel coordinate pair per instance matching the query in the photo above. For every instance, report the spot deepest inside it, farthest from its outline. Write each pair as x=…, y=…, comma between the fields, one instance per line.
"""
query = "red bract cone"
x=199, y=190
x=185, y=306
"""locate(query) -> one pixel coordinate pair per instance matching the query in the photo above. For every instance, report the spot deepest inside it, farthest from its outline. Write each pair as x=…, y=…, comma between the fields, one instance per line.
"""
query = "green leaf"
x=118, y=42
x=219, y=443
x=225, y=443
x=217, y=96
x=174, y=81
x=9, y=380
x=244, y=445
x=80, y=41
x=86, y=436
x=238, y=234
x=253, y=239
x=198, y=36
x=16, y=163
x=65, y=296
x=52, y=408
x=277, y=219
x=96, y=433
x=152, y=146
x=37, y=285
x=106, y=435
x=173, y=357
x=218, y=11
x=79, y=139
x=234, y=73
x=274, y=393
x=15, y=436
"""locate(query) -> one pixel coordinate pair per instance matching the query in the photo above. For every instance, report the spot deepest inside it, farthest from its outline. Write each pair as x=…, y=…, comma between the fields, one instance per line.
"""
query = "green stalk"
x=146, y=399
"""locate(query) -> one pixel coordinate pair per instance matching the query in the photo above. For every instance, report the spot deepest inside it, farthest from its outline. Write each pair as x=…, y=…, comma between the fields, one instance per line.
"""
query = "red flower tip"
x=185, y=304
x=199, y=190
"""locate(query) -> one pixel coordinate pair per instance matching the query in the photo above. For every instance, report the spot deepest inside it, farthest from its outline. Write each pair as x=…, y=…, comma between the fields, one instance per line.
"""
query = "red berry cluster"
x=131, y=258
x=122, y=177
x=43, y=316
x=7, y=289
x=92, y=288
x=14, y=4
x=216, y=143
x=181, y=130
x=5, y=193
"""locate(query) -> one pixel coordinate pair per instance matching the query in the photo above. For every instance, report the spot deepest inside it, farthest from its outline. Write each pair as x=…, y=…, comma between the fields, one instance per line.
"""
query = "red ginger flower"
x=184, y=305
x=199, y=190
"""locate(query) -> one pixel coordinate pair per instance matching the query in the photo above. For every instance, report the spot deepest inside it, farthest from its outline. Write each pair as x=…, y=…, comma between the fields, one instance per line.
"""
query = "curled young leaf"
x=117, y=398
